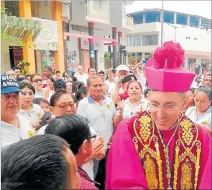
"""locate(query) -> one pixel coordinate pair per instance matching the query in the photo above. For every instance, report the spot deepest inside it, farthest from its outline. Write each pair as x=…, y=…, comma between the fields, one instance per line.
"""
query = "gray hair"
x=206, y=90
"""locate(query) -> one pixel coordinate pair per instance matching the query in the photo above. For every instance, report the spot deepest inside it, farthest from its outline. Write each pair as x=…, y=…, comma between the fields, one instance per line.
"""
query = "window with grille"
x=150, y=40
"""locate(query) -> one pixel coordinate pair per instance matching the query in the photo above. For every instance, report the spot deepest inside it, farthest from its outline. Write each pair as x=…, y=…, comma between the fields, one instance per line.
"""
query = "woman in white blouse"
x=201, y=112
x=32, y=112
x=135, y=102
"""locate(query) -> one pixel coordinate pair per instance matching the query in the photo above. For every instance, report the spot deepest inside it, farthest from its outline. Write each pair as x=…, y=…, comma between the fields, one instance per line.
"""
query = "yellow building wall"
x=28, y=53
x=58, y=55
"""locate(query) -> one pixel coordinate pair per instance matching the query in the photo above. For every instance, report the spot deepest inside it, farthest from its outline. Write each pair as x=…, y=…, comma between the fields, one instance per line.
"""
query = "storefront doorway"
x=16, y=55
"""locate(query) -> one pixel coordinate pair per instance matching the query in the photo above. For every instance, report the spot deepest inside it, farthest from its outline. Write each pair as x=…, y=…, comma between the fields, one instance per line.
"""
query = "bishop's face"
x=165, y=108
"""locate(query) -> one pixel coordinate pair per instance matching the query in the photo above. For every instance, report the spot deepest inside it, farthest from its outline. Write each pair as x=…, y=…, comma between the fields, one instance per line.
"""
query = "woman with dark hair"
x=201, y=112
x=41, y=162
x=36, y=81
x=65, y=76
x=61, y=103
x=75, y=131
x=135, y=103
x=190, y=94
x=49, y=90
x=30, y=111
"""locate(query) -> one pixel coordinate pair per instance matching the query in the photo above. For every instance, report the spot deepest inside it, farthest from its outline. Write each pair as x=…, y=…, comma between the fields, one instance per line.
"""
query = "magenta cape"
x=124, y=169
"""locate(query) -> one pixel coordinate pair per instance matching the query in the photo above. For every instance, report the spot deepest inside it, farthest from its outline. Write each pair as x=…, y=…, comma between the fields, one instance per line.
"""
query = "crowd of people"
x=143, y=127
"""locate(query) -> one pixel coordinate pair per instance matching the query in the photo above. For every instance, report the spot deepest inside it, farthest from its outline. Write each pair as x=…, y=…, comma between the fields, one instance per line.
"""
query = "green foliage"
x=23, y=66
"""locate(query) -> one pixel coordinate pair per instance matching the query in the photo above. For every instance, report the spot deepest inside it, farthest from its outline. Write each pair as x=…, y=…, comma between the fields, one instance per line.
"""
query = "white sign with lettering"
x=47, y=38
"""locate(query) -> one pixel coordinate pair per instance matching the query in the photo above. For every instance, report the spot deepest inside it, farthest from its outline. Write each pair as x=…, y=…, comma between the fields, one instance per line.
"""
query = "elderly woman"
x=62, y=103
x=75, y=130
x=201, y=112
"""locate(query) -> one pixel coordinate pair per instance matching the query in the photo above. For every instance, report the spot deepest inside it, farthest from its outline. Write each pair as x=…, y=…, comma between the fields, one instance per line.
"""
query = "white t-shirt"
x=11, y=134
x=82, y=77
x=131, y=109
x=100, y=117
x=203, y=119
x=34, y=115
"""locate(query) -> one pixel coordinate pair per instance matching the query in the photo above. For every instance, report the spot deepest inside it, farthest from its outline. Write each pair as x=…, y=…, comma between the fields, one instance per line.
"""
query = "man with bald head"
x=80, y=75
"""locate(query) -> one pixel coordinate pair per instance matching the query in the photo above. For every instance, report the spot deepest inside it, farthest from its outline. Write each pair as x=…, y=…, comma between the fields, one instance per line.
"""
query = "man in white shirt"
x=14, y=127
x=80, y=75
x=99, y=111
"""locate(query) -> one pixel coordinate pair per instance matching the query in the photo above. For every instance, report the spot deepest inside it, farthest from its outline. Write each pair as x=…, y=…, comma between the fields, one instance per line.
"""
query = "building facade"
x=92, y=26
x=37, y=27
x=192, y=32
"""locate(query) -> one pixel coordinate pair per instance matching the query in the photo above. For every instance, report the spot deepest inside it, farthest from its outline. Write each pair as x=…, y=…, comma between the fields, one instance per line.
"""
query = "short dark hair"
x=21, y=78
x=39, y=100
x=23, y=85
x=73, y=129
x=74, y=78
x=91, y=79
x=57, y=72
x=50, y=78
x=55, y=97
x=82, y=90
x=134, y=82
x=35, y=163
x=48, y=68
x=33, y=75
x=192, y=90
x=14, y=68
x=101, y=72
x=146, y=91
x=59, y=84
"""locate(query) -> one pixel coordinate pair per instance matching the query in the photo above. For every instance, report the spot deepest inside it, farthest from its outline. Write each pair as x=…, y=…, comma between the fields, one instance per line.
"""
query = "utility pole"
x=162, y=20
x=175, y=31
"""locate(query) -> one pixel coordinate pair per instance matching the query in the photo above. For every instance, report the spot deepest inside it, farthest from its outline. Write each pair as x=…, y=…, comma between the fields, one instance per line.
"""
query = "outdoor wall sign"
x=20, y=27
x=44, y=32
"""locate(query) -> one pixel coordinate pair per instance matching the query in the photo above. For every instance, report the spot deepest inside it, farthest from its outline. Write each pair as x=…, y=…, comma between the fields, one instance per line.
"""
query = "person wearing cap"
x=14, y=127
x=118, y=89
x=162, y=148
